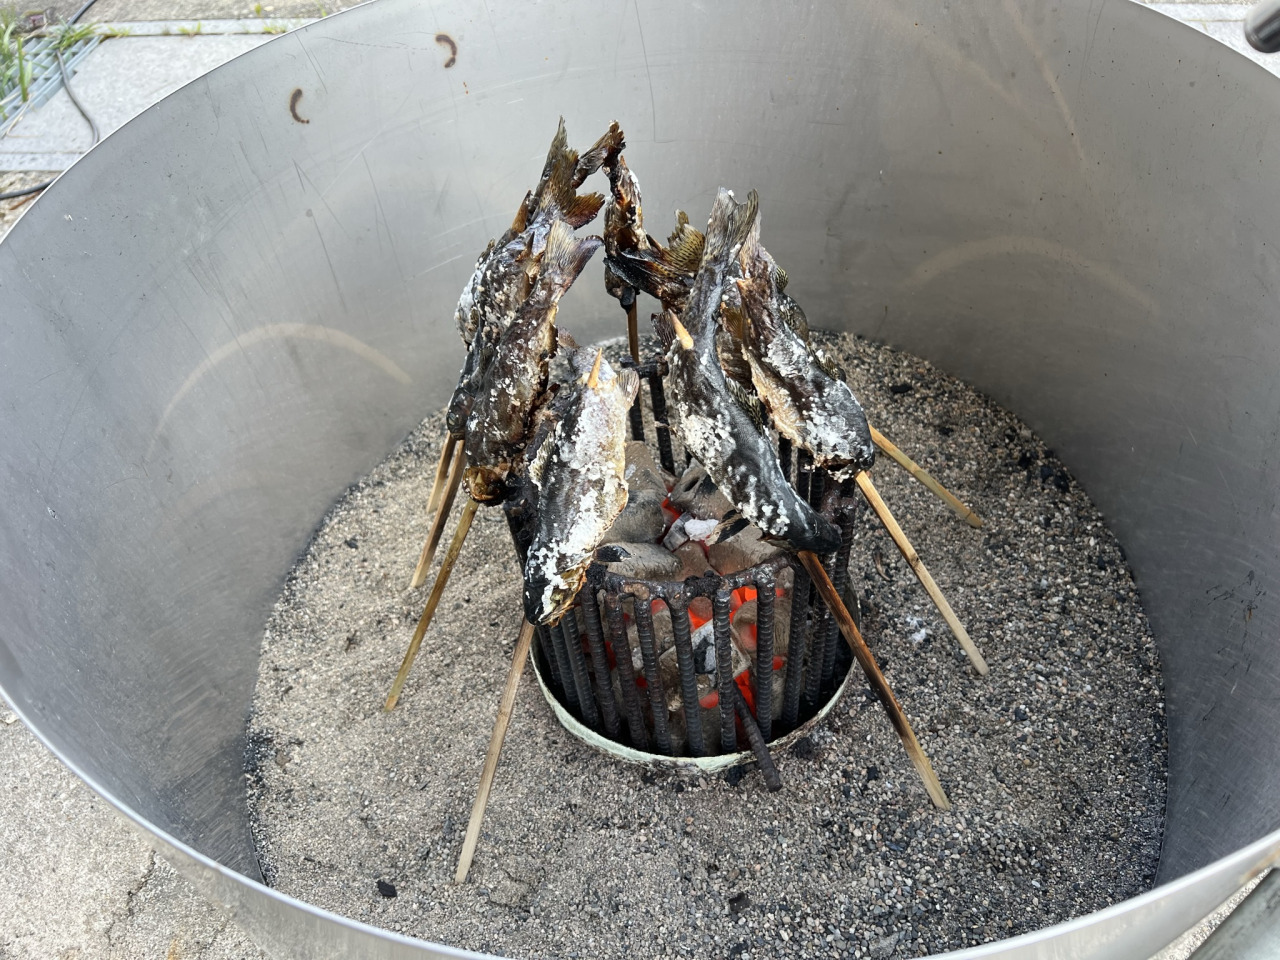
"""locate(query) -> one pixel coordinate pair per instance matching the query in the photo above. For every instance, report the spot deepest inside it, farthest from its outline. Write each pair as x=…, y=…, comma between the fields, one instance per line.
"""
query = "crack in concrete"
x=130, y=896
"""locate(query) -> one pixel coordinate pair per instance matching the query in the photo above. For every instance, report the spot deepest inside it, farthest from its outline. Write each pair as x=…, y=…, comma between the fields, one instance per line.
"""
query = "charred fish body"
x=723, y=435
x=505, y=274
x=515, y=381
x=806, y=402
x=577, y=474
x=634, y=261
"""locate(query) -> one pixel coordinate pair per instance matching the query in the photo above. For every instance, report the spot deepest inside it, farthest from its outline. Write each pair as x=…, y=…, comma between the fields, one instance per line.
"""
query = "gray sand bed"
x=1055, y=762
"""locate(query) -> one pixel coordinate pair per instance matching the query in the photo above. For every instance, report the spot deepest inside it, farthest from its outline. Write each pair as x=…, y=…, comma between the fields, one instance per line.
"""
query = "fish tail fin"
x=581, y=210
x=602, y=153
x=557, y=190
x=729, y=226
x=565, y=256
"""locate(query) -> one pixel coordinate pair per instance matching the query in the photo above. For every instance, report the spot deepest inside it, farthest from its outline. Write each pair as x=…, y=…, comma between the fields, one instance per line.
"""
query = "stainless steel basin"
x=236, y=305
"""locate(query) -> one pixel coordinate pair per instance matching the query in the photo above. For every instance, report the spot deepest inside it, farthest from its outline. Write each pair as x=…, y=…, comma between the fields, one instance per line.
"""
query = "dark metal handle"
x=1262, y=26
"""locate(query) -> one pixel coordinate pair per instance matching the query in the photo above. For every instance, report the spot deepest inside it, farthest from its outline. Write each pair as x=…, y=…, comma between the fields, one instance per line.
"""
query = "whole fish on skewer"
x=506, y=271
x=806, y=399
x=514, y=384
x=578, y=477
x=721, y=433
x=635, y=262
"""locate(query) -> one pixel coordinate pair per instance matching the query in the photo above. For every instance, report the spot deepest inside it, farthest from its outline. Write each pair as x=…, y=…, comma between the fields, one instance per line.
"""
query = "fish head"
x=548, y=598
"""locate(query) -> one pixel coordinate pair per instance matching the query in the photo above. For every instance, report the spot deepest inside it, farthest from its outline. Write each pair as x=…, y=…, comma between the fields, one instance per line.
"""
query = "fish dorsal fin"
x=794, y=317
x=664, y=327
x=685, y=246
x=733, y=360
x=827, y=365
x=582, y=210
x=746, y=398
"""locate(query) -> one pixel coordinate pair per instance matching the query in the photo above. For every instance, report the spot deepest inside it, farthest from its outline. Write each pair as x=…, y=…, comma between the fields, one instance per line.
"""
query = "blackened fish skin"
x=515, y=381
x=805, y=402
x=580, y=487
x=507, y=270
x=711, y=424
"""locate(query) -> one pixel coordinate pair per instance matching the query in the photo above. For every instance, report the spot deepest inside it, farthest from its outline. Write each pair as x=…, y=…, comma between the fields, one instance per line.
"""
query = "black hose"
x=66, y=82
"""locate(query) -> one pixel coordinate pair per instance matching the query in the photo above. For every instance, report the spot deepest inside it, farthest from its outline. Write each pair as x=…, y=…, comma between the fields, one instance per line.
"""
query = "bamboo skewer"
x=869, y=667
x=921, y=571
x=446, y=568
x=499, y=734
x=442, y=473
x=442, y=515
x=923, y=475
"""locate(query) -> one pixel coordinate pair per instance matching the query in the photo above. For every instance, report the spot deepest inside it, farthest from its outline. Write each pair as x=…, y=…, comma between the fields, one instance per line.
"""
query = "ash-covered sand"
x=1055, y=762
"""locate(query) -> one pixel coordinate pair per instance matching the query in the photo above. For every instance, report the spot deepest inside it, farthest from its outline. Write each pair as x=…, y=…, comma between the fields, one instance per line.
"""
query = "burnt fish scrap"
x=577, y=474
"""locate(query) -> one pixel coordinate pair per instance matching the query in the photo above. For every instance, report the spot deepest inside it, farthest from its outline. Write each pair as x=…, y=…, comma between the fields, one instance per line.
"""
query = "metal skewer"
x=921, y=571
x=442, y=515
x=446, y=568
x=505, y=707
x=923, y=475
x=865, y=660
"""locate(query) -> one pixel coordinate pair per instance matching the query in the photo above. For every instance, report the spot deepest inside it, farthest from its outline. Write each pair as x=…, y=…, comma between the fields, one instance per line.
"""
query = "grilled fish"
x=506, y=272
x=713, y=426
x=515, y=381
x=577, y=473
x=634, y=261
x=807, y=401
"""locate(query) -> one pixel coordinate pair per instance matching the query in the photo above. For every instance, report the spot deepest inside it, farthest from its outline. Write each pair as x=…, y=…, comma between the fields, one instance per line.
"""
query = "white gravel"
x=1055, y=762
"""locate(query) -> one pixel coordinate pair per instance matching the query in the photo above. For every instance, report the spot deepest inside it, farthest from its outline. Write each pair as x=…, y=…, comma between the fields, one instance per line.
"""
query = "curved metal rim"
x=1249, y=861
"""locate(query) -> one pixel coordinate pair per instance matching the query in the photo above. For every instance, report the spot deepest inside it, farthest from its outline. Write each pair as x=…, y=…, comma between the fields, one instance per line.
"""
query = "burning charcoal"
x=676, y=536
x=646, y=561
x=744, y=624
x=742, y=550
x=643, y=471
x=669, y=667
x=696, y=493
x=704, y=652
x=694, y=560
x=704, y=649
x=642, y=520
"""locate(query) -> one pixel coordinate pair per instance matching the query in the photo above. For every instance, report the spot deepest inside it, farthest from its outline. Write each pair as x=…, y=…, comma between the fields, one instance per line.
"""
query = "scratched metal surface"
x=1073, y=207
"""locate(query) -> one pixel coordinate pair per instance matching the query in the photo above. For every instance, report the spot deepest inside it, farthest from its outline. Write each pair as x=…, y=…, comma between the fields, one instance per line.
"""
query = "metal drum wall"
x=235, y=306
